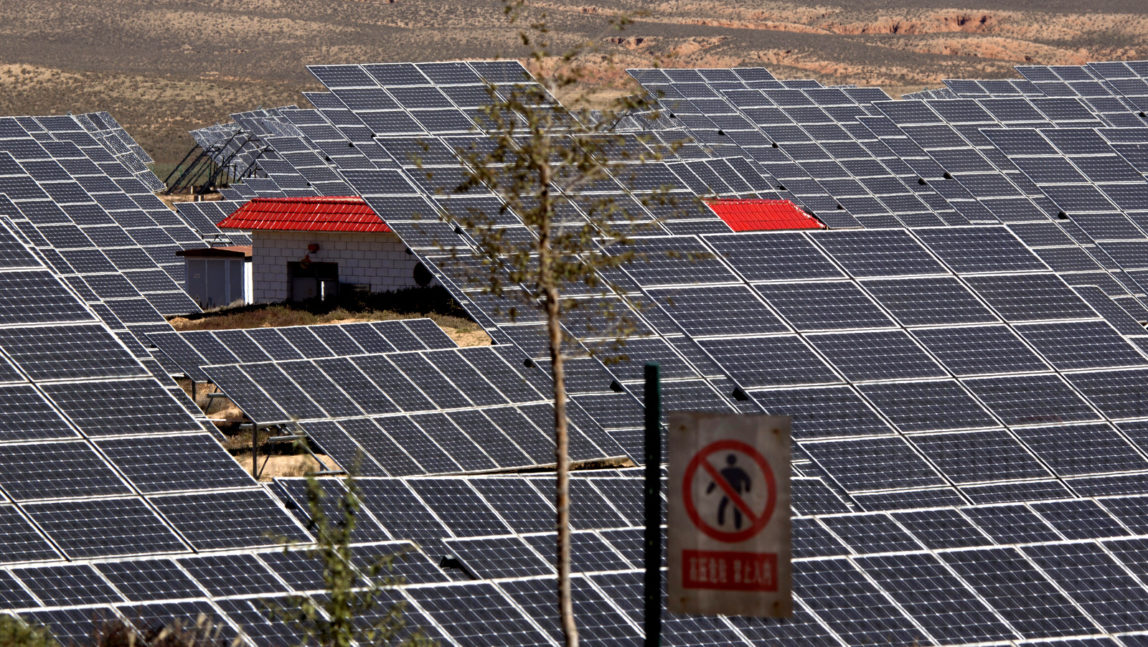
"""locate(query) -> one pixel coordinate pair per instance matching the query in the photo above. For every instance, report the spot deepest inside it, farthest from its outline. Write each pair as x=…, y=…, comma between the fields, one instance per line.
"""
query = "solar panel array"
x=971, y=575
x=964, y=366
x=99, y=460
x=393, y=397
x=89, y=219
x=941, y=151
x=963, y=353
x=281, y=154
x=192, y=350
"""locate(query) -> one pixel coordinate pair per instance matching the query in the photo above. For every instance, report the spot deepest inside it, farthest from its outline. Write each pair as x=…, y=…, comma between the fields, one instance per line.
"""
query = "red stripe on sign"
x=729, y=571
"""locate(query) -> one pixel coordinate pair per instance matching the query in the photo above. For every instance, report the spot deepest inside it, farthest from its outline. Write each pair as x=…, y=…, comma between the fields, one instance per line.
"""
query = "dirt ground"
x=272, y=466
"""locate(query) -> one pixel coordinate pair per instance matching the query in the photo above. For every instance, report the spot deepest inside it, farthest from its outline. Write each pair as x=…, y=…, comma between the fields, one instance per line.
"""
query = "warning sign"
x=729, y=536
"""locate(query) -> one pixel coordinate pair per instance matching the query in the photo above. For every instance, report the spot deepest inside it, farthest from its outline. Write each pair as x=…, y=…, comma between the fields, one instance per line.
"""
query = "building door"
x=312, y=281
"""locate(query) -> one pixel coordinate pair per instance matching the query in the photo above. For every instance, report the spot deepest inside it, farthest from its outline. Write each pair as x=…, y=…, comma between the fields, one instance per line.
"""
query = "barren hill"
x=163, y=67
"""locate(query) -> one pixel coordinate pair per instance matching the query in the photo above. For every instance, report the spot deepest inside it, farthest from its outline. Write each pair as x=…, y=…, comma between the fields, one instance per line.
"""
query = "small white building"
x=218, y=276
x=313, y=247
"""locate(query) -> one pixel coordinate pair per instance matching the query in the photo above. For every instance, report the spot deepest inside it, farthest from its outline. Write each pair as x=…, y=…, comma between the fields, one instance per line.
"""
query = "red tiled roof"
x=306, y=214
x=763, y=215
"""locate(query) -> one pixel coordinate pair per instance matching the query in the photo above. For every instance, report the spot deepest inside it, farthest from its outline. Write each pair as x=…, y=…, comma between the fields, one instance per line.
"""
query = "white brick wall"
x=376, y=259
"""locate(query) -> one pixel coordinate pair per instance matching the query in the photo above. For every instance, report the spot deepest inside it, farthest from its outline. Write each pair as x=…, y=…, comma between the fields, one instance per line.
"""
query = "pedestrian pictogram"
x=729, y=514
x=734, y=518
x=733, y=480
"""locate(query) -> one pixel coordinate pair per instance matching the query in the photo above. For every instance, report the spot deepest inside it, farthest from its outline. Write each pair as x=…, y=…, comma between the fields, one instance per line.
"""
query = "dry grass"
x=433, y=303
x=463, y=331
x=273, y=316
x=465, y=338
x=272, y=465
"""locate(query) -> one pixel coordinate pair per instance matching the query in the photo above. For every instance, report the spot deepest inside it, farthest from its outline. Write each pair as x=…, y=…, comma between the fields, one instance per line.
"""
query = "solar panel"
x=717, y=311
x=979, y=250
x=104, y=527
x=769, y=361
x=1082, y=449
x=929, y=301
x=833, y=587
x=1079, y=519
x=254, y=519
x=980, y=350
x=1018, y=592
x=877, y=355
x=822, y=412
x=927, y=405
x=873, y=463
x=941, y=528
x=146, y=580
x=1081, y=345
x=945, y=606
x=980, y=456
x=1033, y=399
x=604, y=624
x=878, y=253
x=751, y=256
x=1030, y=297
x=479, y=614
x=824, y=305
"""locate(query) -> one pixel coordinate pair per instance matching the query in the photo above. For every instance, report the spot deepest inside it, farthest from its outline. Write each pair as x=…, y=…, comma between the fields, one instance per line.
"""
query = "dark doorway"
x=307, y=281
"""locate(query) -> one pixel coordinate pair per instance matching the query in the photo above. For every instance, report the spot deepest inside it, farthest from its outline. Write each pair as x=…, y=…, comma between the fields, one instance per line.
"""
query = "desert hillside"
x=163, y=67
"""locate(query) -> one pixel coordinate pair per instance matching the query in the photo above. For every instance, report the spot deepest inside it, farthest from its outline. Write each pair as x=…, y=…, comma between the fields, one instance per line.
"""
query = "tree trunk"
x=553, y=305
x=562, y=456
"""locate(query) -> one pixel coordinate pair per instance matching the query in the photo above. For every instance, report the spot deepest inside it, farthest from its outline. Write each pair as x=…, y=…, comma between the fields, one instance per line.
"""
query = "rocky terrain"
x=163, y=67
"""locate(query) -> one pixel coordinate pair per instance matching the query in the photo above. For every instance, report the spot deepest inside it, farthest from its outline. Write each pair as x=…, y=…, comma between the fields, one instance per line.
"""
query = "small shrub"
x=354, y=609
x=205, y=632
x=15, y=632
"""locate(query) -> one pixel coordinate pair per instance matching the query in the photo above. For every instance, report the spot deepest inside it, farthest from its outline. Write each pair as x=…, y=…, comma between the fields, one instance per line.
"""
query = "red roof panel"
x=349, y=214
x=763, y=215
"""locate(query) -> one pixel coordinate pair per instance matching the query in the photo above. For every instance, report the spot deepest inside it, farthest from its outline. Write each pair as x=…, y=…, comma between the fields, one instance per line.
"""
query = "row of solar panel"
x=887, y=161
x=87, y=434
x=92, y=222
x=437, y=410
x=204, y=216
x=695, y=271
x=156, y=524
x=327, y=131
x=193, y=350
x=845, y=597
x=964, y=556
x=904, y=111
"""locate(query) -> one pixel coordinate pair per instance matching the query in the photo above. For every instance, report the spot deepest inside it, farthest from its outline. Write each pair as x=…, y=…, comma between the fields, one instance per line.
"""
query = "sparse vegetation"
x=117, y=632
x=18, y=633
x=204, y=632
x=349, y=612
x=147, y=64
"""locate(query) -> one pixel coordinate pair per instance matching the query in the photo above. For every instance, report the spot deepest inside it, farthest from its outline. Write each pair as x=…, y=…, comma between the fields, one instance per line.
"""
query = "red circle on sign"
x=759, y=521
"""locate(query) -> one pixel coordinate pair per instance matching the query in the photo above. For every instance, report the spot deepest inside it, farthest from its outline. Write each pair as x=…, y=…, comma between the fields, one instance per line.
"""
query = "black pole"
x=653, y=505
x=255, y=451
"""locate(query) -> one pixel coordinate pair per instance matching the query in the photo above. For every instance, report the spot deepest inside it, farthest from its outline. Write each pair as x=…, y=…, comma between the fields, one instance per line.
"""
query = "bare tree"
x=557, y=168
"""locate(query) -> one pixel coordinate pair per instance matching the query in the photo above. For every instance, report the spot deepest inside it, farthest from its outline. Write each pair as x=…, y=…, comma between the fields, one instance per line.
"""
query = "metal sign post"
x=729, y=521
x=653, y=507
